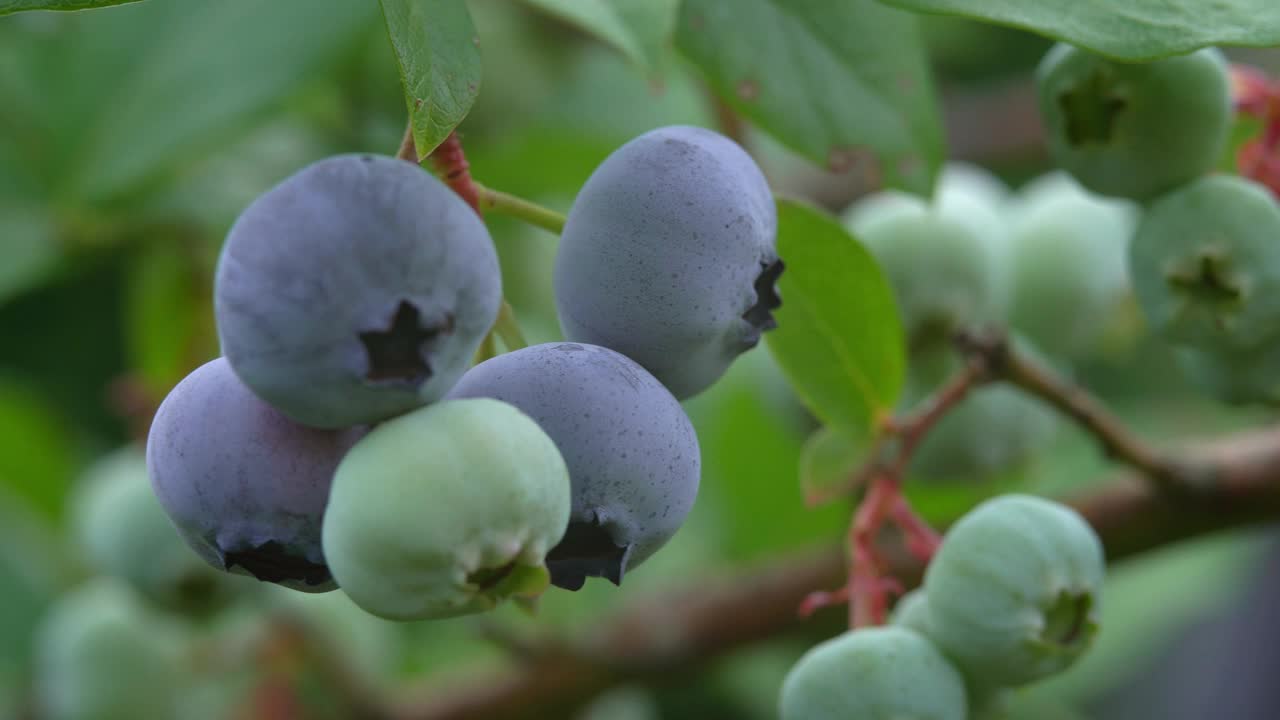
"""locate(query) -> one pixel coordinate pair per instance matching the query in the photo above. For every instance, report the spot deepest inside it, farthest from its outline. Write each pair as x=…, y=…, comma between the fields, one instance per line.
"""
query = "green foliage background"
x=131, y=137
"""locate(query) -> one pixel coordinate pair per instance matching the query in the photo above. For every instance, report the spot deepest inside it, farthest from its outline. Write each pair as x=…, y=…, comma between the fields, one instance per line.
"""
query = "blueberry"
x=880, y=673
x=355, y=290
x=125, y=533
x=631, y=451
x=668, y=256
x=944, y=269
x=1134, y=130
x=446, y=511
x=100, y=655
x=1205, y=265
x=1014, y=592
x=1068, y=264
x=245, y=485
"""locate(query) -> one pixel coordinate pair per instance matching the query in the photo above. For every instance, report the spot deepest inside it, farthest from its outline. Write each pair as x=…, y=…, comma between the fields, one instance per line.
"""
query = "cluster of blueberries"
x=345, y=439
x=1012, y=597
x=1204, y=260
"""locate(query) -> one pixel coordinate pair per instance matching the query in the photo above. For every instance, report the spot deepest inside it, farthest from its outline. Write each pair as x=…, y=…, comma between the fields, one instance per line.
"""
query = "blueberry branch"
x=715, y=617
x=1002, y=362
x=519, y=208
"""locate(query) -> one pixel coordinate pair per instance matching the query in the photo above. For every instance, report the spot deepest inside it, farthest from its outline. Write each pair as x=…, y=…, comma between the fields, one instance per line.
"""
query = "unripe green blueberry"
x=446, y=511
x=100, y=656
x=994, y=429
x=125, y=532
x=1014, y=591
x=880, y=673
x=974, y=181
x=943, y=272
x=1134, y=130
x=1205, y=264
x=1242, y=377
x=912, y=611
x=1067, y=255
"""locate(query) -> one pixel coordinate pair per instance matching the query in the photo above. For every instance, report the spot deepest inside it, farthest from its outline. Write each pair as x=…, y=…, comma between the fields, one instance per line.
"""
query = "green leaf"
x=37, y=462
x=1126, y=29
x=839, y=339
x=13, y=6
x=828, y=463
x=167, y=310
x=525, y=581
x=751, y=429
x=144, y=88
x=29, y=247
x=844, y=83
x=438, y=51
x=640, y=29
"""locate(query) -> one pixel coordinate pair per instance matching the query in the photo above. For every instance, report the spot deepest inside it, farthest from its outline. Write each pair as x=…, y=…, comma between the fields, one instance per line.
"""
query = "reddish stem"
x=452, y=163
x=912, y=430
x=869, y=601
x=922, y=540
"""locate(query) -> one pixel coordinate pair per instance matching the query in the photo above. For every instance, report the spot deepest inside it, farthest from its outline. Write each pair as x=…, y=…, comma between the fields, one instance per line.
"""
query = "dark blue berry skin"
x=668, y=256
x=245, y=486
x=631, y=451
x=355, y=290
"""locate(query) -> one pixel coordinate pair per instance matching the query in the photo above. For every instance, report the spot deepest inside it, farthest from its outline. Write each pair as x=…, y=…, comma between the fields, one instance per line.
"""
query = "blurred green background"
x=131, y=137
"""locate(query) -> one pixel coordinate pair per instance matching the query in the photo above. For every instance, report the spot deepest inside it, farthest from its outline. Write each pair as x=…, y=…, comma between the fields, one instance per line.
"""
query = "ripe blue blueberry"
x=631, y=451
x=245, y=485
x=357, y=289
x=668, y=256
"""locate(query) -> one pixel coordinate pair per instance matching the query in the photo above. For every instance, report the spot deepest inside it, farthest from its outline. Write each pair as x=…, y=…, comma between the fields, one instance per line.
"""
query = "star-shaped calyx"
x=397, y=353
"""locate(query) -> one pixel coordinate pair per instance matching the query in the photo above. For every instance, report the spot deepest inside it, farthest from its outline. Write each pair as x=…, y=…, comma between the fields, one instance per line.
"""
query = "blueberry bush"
x=640, y=359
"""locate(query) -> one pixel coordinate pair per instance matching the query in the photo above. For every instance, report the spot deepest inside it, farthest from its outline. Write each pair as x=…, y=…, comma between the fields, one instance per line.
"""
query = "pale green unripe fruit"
x=1067, y=264
x=446, y=511
x=912, y=611
x=943, y=271
x=1205, y=263
x=1014, y=592
x=124, y=532
x=1134, y=130
x=100, y=656
x=880, y=673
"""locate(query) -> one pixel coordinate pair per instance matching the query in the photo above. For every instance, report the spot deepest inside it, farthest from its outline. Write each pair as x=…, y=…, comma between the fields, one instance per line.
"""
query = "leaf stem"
x=1117, y=441
x=519, y=208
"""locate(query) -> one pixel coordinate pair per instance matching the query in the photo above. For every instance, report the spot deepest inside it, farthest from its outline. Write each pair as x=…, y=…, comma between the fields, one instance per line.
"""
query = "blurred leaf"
x=844, y=83
x=839, y=339
x=751, y=429
x=828, y=462
x=1139, y=30
x=437, y=49
x=165, y=313
x=29, y=248
x=143, y=88
x=12, y=6
x=640, y=29
x=36, y=460
x=32, y=565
